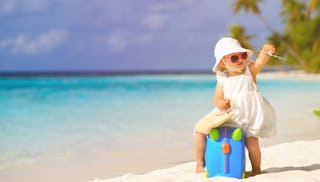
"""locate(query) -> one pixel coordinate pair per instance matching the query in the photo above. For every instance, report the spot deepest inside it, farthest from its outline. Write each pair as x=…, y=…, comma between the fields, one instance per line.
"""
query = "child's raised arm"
x=262, y=59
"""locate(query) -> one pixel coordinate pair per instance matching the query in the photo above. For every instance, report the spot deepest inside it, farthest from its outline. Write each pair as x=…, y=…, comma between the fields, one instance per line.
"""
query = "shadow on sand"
x=288, y=168
x=291, y=168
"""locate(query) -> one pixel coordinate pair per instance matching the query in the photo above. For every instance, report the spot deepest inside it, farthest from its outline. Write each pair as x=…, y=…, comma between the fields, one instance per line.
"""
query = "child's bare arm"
x=219, y=101
x=262, y=59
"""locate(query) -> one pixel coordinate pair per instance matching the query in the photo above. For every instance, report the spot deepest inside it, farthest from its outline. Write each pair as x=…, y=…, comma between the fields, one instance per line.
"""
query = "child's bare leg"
x=200, y=147
x=252, y=144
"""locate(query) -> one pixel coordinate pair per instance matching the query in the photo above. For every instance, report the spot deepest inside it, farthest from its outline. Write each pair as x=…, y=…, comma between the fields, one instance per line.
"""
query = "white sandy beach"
x=297, y=74
x=297, y=161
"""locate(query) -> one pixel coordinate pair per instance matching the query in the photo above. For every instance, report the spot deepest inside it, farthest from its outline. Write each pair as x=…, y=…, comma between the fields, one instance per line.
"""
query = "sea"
x=110, y=121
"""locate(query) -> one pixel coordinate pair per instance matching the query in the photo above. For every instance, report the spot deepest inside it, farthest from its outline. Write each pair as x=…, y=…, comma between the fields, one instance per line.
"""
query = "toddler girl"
x=236, y=82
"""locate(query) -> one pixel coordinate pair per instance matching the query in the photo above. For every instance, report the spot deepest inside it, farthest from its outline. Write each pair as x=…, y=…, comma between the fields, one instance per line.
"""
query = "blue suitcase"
x=225, y=152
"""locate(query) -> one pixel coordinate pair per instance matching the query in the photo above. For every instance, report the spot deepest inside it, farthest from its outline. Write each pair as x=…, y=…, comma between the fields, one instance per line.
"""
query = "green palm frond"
x=317, y=112
x=247, y=6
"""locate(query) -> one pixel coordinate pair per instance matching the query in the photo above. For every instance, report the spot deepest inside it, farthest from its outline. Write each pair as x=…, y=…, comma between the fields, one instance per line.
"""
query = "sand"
x=297, y=74
x=297, y=161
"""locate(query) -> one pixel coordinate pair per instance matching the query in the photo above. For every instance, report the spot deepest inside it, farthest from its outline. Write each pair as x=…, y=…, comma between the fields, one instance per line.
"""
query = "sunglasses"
x=235, y=58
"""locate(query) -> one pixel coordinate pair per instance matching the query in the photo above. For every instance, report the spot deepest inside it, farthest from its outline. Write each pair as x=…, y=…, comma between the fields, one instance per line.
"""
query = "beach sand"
x=293, y=74
x=295, y=161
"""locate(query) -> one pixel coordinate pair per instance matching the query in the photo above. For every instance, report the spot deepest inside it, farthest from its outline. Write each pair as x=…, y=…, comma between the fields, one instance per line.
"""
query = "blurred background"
x=125, y=36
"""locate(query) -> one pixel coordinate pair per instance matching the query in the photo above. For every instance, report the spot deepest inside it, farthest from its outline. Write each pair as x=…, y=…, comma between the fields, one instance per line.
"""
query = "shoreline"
x=294, y=75
x=294, y=161
x=300, y=74
x=264, y=75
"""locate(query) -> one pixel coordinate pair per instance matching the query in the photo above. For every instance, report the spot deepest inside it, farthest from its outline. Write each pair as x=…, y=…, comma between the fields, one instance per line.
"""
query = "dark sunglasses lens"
x=234, y=58
x=244, y=55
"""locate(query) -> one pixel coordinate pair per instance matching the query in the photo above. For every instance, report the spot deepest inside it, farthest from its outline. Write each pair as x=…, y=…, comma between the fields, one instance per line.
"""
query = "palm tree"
x=313, y=6
x=300, y=39
x=251, y=6
x=238, y=32
x=302, y=30
x=316, y=112
x=247, y=6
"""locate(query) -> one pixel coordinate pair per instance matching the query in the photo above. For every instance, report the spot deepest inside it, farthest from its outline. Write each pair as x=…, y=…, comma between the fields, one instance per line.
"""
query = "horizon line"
x=110, y=72
x=97, y=73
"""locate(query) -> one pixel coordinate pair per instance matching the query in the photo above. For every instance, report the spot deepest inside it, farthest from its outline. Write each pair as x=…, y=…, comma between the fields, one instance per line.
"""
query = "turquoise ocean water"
x=47, y=117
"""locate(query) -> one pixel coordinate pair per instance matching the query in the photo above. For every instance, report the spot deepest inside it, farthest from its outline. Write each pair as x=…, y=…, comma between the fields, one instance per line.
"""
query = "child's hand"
x=268, y=49
x=224, y=104
x=264, y=55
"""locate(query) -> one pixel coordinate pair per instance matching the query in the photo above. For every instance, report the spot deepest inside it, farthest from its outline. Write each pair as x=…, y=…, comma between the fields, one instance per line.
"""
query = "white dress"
x=252, y=112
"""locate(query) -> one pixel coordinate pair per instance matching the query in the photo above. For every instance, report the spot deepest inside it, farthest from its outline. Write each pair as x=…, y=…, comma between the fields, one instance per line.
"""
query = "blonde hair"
x=221, y=67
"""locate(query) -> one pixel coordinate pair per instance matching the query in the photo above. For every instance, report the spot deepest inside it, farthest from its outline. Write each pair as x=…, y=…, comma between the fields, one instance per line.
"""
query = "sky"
x=120, y=35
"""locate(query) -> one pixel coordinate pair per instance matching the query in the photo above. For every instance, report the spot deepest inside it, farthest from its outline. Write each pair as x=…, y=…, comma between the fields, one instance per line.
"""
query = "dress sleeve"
x=220, y=77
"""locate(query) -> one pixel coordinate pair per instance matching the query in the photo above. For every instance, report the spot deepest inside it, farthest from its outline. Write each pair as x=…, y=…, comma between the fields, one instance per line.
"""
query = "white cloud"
x=143, y=39
x=119, y=40
x=45, y=42
x=34, y=5
x=7, y=6
x=171, y=6
x=16, y=42
x=116, y=42
x=160, y=13
x=154, y=21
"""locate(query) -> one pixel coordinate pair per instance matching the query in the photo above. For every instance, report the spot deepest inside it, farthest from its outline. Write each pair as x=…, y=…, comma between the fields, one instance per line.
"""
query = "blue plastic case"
x=225, y=153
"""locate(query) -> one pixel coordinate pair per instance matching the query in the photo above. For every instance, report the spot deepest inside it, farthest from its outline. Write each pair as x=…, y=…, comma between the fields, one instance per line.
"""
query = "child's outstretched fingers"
x=269, y=49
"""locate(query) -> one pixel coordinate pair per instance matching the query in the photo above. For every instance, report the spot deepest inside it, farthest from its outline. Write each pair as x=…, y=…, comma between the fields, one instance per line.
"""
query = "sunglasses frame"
x=236, y=57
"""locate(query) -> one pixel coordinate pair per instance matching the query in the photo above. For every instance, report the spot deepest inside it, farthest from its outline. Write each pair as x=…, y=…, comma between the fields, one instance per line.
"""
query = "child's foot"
x=200, y=168
x=255, y=172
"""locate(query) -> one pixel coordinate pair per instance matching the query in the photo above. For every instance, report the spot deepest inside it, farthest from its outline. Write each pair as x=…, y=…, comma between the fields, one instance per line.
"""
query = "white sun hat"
x=225, y=46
